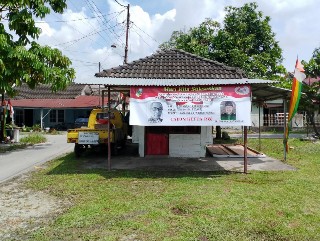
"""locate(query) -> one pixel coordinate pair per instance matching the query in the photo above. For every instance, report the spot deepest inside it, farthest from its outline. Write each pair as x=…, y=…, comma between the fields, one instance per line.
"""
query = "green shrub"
x=36, y=127
x=33, y=138
x=53, y=131
x=26, y=128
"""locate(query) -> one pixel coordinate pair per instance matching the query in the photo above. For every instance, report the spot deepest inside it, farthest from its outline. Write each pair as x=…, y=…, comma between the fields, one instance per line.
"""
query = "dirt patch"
x=24, y=210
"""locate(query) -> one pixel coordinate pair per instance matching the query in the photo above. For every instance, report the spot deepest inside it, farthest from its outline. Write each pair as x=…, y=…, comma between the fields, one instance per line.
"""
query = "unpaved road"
x=20, y=161
x=24, y=210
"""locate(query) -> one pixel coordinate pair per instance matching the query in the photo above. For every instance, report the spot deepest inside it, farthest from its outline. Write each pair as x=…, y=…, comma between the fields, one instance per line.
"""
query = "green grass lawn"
x=142, y=205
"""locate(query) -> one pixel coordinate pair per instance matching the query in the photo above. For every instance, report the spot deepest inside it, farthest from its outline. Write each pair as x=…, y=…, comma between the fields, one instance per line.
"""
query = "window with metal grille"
x=57, y=116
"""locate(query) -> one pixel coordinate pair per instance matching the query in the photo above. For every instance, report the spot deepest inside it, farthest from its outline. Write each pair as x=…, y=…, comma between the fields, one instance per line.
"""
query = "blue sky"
x=88, y=28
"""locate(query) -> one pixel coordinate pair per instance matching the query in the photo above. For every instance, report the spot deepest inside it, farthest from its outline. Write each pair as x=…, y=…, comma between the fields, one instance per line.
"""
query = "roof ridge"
x=209, y=60
x=173, y=64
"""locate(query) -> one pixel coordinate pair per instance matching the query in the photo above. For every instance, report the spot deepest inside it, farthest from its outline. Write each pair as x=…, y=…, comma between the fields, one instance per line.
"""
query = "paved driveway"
x=19, y=161
x=128, y=159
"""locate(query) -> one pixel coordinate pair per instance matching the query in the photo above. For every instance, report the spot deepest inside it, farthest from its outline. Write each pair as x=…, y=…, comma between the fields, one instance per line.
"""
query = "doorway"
x=28, y=117
x=157, y=140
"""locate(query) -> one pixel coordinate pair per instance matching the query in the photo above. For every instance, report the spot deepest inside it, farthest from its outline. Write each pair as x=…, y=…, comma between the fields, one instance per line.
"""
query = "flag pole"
x=298, y=77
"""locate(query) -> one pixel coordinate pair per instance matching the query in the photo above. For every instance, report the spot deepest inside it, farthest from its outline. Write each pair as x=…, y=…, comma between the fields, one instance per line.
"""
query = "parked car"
x=81, y=122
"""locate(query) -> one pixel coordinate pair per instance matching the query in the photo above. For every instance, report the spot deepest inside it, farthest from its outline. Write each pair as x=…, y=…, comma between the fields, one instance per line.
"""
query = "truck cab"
x=96, y=134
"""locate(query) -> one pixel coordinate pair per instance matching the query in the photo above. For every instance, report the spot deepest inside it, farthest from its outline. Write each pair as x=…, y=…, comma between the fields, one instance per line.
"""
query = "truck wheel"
x=78, y=150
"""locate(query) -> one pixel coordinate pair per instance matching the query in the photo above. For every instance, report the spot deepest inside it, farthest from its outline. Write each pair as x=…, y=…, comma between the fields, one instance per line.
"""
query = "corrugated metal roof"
x=174, y=82
x=264, y=92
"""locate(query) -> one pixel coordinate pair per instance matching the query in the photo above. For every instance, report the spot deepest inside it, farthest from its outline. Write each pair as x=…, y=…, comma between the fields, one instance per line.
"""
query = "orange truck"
x=96, y=134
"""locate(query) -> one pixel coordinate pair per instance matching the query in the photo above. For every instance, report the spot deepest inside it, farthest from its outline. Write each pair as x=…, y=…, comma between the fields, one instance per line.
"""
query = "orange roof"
x=82, y=101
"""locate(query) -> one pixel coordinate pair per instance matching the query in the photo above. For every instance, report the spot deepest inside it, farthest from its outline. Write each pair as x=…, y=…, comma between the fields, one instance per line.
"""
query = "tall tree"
x=246, y=41
x=22, y=59
x=310, y=100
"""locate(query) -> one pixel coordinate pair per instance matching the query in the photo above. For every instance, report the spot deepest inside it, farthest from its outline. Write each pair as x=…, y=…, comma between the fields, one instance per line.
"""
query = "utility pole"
x=127, y=36
x=99, y=84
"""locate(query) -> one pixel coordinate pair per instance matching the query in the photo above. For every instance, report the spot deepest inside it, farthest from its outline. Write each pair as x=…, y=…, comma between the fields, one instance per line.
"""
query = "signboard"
x=88, y=138
x=191, y=106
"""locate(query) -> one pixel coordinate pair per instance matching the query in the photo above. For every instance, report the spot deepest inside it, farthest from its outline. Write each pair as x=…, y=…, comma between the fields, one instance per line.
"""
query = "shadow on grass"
x=69, y=164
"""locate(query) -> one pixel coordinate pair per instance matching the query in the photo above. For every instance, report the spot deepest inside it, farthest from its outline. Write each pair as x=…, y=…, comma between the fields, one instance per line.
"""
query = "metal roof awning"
x=173, y=82
x=262, y=90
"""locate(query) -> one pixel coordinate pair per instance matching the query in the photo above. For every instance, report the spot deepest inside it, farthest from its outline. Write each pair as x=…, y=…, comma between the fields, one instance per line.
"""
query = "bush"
x=33, y=138
x=53, y=131
x=26, y=129
x=36, y=127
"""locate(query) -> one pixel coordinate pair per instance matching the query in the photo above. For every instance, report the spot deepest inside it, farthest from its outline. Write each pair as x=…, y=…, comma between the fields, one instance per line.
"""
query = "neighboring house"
x=59, y=110
x=311, y=81
x=172, y=69
x=273, y=111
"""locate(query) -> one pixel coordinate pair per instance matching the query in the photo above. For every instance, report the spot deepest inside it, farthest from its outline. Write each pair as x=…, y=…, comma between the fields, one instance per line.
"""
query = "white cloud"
x=294, y=22
x=45, y=29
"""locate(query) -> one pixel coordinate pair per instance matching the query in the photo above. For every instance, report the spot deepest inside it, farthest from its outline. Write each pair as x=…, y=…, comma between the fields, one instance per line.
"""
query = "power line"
x=92, y=25
x=120, y=4
x=84, y=61
x=104, y=22
x=97, y=11
x=71, y=42
x=71, y=27
x=74, y=20
x=142, y=38
x=145, y=33
x=75, y=51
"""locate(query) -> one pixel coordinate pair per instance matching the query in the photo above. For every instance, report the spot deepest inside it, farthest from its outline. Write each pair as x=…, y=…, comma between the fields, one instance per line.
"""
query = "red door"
x=157, y=143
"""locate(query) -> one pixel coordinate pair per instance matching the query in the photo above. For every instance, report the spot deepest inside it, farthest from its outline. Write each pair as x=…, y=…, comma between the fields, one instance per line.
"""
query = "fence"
x=278, y=120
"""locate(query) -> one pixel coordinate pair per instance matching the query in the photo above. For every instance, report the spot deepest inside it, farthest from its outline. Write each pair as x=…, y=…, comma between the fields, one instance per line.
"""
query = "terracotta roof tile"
x=79, y=102
x=45, y=92
x=173, y=64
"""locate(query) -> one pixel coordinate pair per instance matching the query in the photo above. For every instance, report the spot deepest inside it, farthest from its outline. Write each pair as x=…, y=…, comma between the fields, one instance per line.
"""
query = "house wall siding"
x=138, y=136
x=70, y=115
x=180, y=145
x=190, y=145
x=206, y=139
x=184, y=145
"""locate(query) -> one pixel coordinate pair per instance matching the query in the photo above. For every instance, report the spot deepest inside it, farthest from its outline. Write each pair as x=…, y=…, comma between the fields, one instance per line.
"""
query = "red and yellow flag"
x=298, y=77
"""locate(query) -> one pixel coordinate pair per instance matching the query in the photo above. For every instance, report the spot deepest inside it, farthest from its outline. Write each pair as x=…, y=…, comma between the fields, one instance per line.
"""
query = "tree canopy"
x=310, y=100
x=244, y=39
x=22, y=59
x=312, y=68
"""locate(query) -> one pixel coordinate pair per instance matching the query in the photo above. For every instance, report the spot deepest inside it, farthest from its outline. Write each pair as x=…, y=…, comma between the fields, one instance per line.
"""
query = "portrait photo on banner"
x=155, y=111
x=228, y=110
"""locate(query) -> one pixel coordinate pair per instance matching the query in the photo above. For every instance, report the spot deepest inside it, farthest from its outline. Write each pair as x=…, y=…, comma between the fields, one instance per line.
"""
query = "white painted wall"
x=141, y=141
x=255, y=116
x=135, y=134
x=206, y=139
x=180, y=145
x=190, y=145
x=184, y=145
x=138, y=136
